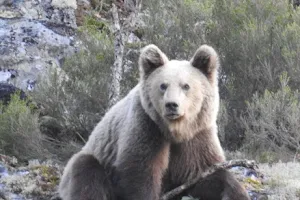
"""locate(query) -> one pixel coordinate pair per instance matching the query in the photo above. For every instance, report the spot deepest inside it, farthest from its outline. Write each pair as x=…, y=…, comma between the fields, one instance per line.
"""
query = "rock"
x=132, y=38
x=9, y=14
x=252, y=180
x=296, y=3
x=35, y=36
x=64, y=4
x=6, y=2
x=6, y=90
x=6, y=74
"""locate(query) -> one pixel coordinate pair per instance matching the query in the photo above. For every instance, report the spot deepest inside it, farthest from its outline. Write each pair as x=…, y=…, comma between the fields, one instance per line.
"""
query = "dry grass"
x=283, y=180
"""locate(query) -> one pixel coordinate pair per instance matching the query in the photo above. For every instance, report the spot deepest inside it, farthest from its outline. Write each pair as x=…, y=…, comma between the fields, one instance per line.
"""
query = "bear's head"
x=180, y=96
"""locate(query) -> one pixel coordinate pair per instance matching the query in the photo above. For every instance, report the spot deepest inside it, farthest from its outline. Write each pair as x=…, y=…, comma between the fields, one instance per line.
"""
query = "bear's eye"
x=163, y=86
x=186, y=87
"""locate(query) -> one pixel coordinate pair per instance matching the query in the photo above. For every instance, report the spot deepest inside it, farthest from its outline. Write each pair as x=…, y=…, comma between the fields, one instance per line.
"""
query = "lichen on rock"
x=34, y=36
x=35, y=181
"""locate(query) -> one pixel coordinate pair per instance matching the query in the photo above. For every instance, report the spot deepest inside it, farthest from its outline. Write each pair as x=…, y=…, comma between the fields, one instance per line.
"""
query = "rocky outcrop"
x=34, y=36
x=6, y=90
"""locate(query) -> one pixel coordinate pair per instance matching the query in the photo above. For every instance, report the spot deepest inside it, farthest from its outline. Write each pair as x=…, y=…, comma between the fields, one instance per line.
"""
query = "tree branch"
x=225, y=165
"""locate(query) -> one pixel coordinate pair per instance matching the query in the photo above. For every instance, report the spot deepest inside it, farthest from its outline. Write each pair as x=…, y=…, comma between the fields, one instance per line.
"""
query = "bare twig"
x=226, y=165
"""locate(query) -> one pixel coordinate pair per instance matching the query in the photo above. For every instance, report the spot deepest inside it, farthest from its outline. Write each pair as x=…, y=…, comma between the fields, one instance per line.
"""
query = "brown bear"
x=159, y=136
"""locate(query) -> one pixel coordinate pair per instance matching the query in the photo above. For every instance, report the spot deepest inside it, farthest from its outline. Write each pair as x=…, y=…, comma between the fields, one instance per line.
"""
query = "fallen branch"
x=225, y=165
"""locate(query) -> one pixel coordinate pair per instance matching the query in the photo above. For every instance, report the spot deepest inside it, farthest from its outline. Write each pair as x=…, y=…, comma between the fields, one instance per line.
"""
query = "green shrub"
x=177, y=27
x=19, y=131
x=272, y=123
x=77, y=94
x=257, y=41
x=267, y=157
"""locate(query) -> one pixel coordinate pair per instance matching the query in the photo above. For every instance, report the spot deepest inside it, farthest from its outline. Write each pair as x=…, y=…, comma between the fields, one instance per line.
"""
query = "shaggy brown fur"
x=162, y=134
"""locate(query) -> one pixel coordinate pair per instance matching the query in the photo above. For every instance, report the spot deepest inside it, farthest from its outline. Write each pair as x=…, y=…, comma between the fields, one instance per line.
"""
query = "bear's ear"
x=207, y=61
x=151, y=58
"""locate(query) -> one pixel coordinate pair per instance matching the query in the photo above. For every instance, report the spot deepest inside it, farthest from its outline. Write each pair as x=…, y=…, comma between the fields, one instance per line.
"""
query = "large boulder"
x=34, y=36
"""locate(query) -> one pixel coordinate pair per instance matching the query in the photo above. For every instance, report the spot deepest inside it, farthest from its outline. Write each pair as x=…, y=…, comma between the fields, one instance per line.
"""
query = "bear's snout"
x=172, y=106
x=172, y=110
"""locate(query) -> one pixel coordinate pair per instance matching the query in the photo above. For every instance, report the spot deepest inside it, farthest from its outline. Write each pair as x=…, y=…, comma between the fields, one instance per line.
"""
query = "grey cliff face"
x=34, y=35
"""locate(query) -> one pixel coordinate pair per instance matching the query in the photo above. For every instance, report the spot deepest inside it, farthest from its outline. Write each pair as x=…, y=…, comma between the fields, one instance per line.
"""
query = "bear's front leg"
x=85, y=178
x=140, y=167
x=221, y=185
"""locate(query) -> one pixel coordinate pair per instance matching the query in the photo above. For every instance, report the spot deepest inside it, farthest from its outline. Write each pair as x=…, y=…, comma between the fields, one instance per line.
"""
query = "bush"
x=272, y=123
x=177, y=27
x=77, y=94
x=257, y=41
x=19, y=131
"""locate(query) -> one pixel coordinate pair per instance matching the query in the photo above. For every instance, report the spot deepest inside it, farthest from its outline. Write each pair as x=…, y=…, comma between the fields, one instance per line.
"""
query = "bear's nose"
x=172, y=105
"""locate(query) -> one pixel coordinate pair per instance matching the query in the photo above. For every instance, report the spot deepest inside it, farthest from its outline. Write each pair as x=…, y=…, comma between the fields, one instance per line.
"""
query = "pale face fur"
x=177, y=82
x=179, y=96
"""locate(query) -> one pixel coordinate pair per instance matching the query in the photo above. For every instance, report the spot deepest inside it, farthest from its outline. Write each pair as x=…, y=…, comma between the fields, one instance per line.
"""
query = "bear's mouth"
x=173, y=116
